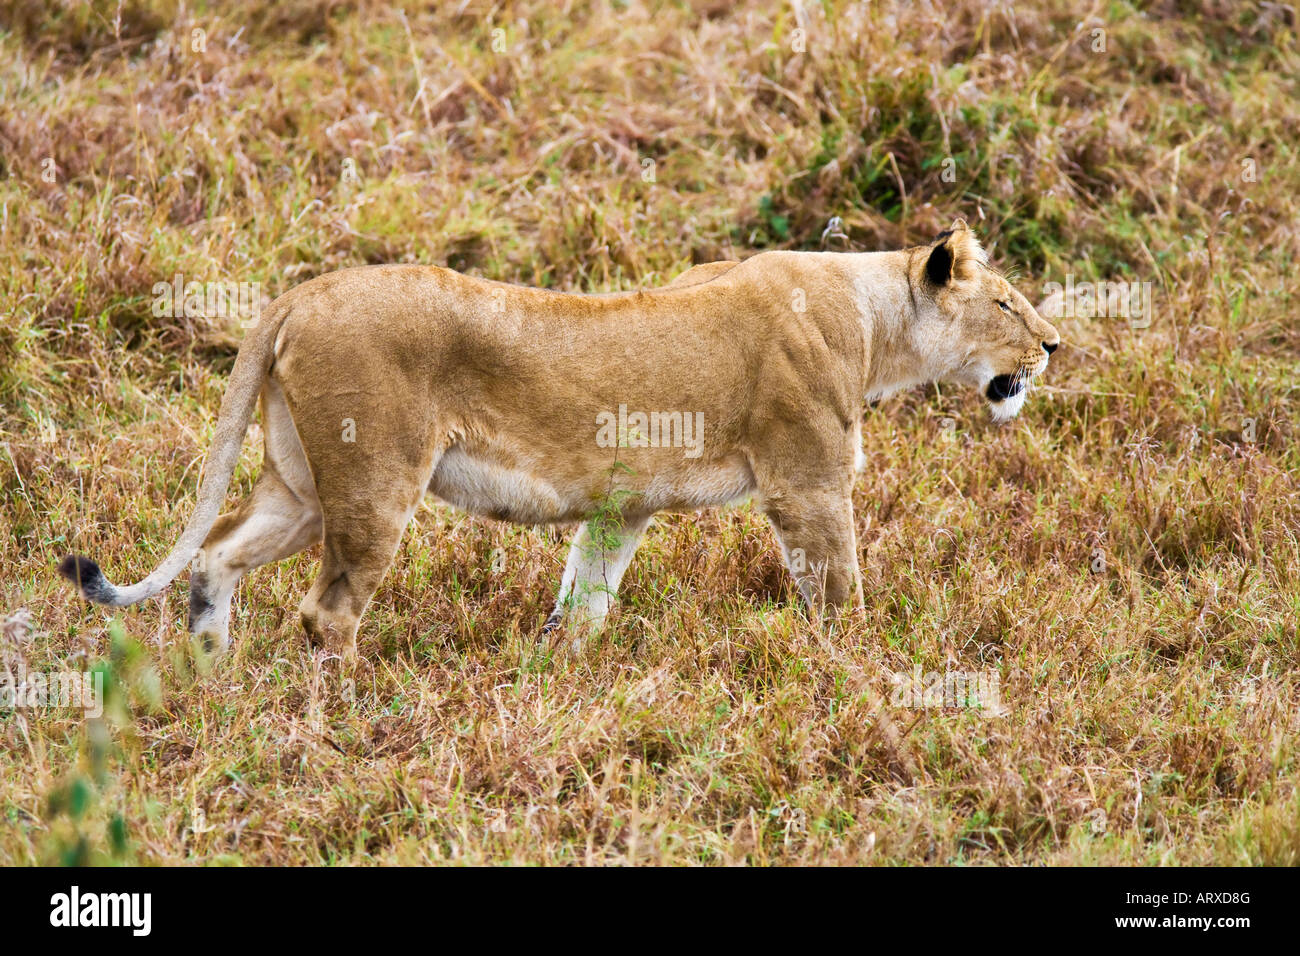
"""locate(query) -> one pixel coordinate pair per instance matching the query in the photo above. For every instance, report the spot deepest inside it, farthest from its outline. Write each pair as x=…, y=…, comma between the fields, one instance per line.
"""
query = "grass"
x=1124, y=557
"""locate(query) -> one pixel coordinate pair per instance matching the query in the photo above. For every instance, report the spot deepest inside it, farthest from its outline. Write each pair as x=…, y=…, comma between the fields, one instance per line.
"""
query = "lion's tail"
x=246, y=379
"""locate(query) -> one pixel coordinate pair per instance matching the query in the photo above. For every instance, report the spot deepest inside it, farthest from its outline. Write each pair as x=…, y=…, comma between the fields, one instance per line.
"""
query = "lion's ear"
x=956, y=254
x=938, y=268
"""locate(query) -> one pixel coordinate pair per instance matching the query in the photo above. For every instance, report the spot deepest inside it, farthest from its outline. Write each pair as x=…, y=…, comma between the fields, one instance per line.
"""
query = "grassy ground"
x=1123, y=559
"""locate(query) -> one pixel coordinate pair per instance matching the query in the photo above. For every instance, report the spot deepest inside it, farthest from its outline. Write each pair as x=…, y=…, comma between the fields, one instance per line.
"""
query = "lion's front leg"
x=599, y=554
x=818, y=543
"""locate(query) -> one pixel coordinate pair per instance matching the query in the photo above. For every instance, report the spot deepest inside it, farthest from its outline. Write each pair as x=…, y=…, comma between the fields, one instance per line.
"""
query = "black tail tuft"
x=85, y=574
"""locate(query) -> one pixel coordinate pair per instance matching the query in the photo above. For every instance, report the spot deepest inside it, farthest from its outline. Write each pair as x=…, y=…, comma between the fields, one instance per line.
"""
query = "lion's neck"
x=886, y=305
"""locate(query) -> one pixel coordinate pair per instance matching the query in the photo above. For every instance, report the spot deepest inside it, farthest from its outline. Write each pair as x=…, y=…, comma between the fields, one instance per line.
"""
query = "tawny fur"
x=381, y=383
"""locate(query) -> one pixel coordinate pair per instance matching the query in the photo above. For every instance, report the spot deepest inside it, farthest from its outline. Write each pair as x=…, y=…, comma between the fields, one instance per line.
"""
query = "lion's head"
x=974, y=326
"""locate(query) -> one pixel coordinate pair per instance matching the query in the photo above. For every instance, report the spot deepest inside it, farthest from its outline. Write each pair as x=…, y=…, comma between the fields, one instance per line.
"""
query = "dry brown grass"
x=1150, y=707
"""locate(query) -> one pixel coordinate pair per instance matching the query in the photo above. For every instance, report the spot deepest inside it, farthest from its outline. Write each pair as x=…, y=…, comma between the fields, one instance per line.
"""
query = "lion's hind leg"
x=278, y=519
x=360, y=542
x=368, y=498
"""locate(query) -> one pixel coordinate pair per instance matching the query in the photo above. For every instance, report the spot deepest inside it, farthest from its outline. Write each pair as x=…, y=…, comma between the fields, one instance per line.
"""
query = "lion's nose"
x=1050, y=347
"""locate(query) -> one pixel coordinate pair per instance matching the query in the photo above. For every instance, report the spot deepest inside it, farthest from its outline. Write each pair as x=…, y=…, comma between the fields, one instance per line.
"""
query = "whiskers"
x=1028, y=378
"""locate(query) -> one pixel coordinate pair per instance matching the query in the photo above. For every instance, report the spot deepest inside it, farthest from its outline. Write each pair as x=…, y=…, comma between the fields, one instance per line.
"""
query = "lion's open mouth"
x=1005, y=386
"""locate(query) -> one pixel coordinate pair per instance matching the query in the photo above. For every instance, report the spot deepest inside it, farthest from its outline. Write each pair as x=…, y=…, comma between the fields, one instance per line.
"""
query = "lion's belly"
x=486, y=487
x=703, y=485
x=512, y=492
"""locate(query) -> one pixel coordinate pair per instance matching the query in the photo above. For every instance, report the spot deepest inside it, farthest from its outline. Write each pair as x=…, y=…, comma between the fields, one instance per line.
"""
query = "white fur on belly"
x=487, y=488
x=517, y=493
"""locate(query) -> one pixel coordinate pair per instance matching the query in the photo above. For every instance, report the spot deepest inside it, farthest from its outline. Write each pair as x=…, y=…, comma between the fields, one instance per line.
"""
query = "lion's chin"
x=1007, y=408
x=1006, y=394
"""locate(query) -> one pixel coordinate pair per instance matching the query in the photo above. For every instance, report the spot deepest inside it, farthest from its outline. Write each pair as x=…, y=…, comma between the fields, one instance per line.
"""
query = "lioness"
x=740, y=380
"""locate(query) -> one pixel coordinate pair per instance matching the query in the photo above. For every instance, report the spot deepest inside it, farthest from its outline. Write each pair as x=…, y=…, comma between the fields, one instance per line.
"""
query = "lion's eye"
x=1004, y=306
